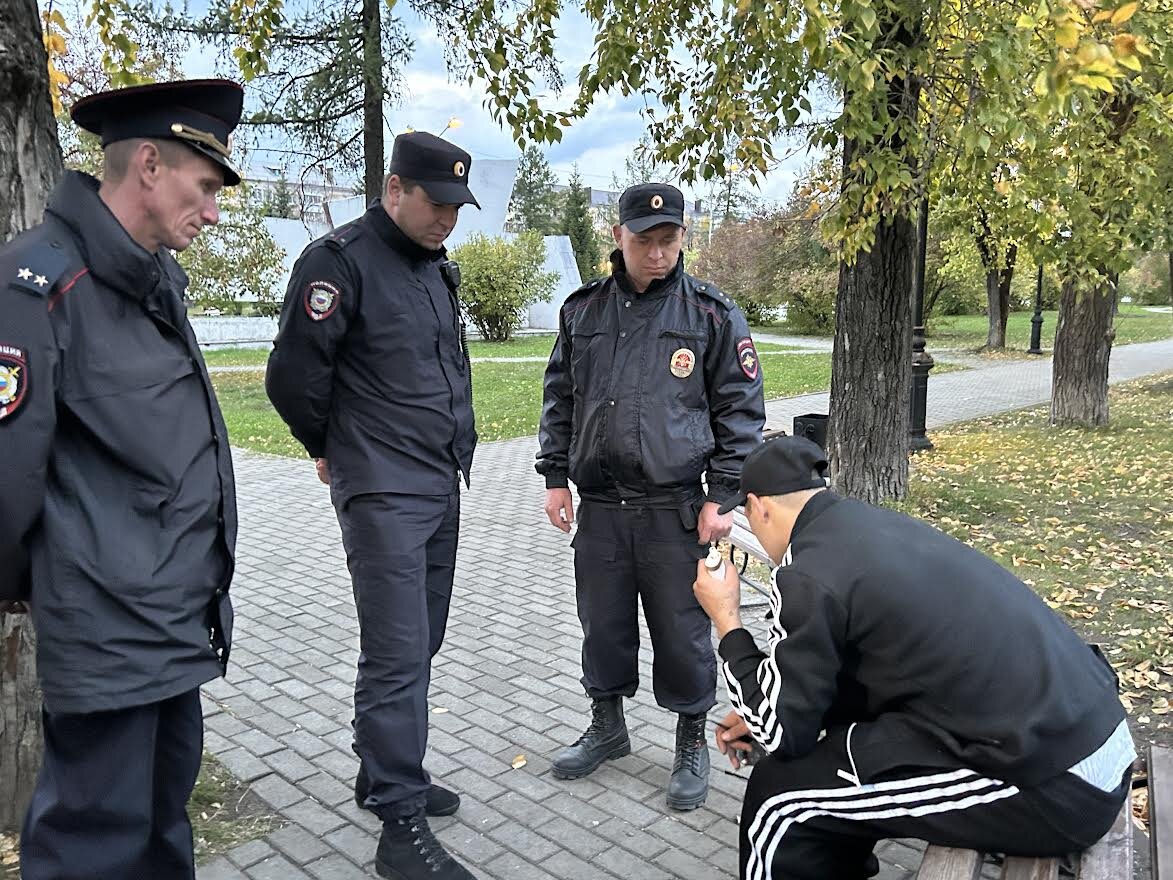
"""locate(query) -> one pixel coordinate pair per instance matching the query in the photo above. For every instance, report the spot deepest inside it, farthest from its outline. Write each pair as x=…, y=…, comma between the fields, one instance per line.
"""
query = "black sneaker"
x=409, y=851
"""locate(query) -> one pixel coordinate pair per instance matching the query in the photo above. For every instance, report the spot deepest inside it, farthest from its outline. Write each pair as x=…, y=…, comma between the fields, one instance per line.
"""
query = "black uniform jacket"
x=116, y=490
x=880, y=618
x=368, y=369
x=646, y=392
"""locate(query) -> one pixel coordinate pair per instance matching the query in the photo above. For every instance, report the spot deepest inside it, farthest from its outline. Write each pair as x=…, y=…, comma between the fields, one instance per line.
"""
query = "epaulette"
x=38, y=268
x=714, y=293
x=590, y=285
x=342, y=236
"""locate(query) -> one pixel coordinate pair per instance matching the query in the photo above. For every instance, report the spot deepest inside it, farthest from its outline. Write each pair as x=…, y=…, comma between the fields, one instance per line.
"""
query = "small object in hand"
x=715, y=563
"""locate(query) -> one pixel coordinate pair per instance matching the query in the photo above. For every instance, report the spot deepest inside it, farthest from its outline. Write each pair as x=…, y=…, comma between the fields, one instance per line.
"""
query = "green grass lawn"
x=507, y=396
x=1081, y=515
x=1133, y=324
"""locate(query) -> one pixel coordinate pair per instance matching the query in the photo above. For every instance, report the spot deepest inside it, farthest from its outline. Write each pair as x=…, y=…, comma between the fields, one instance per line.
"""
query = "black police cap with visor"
x=440, y=167
x=646, y=205
x=200, y=114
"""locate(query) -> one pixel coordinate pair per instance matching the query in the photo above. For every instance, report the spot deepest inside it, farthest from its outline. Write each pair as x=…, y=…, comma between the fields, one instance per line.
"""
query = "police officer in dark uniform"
x=653, y=384
x=957, y=707
x=370, y=372
x=116, y=491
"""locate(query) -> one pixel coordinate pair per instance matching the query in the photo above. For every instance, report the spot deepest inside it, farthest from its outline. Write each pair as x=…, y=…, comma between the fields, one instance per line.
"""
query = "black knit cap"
x=650, y=204
x=440, y=167
x=200, y=113
x=780, y=465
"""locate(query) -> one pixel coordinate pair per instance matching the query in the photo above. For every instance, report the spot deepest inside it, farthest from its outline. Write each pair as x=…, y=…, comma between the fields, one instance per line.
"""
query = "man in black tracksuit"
x=116, y=490
x=653, y=384
x=370, y=373
x=958, y=708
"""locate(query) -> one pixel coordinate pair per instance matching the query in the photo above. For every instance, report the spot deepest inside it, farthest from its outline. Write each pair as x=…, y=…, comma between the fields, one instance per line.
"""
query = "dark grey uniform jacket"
x=368, y=369
x=116, y=489
x=646, y=392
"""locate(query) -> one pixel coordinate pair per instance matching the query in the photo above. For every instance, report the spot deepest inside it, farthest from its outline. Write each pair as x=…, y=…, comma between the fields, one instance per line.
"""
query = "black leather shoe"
x=689, y=785
x=409, y=851
x=605, y=739
x=441, y=801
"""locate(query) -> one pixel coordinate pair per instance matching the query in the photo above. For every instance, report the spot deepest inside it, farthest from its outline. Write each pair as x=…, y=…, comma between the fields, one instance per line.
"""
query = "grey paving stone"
x=219, y=869
x=250, y=853
x=298, y=844
x=336, y=867
x=276, y=867
x=315, y=817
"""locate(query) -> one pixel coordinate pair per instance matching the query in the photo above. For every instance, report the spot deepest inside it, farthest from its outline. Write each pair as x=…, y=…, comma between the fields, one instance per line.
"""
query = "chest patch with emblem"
x=321, y=299
x=14, y=380
x=682, y=363
x=747, y=356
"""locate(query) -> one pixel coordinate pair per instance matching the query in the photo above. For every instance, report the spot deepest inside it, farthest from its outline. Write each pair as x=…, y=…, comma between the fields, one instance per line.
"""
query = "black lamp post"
x=922, y=361
x=1036, y=323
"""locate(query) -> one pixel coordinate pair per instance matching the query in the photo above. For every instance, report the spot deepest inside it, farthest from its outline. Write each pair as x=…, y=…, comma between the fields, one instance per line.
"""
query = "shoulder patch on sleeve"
x=38, y=268
x=321, y=299
x=14, y=379
x=747, y=358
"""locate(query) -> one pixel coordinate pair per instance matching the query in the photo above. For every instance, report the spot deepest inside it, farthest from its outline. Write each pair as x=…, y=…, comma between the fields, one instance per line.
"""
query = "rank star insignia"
x=747, y=357
x=40, y=281
x=682, y=363
x=321, y=299
x=24, y=274
x=13, y=380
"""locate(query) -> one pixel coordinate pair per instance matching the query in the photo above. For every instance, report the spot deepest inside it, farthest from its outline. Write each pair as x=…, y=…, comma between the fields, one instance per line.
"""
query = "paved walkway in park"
x=505, y=684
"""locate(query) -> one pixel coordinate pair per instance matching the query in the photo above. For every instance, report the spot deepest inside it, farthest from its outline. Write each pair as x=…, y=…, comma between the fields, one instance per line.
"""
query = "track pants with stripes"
x=809, y=819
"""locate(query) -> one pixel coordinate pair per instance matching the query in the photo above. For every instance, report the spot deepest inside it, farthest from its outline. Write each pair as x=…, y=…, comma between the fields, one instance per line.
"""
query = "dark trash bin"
x=813, y=426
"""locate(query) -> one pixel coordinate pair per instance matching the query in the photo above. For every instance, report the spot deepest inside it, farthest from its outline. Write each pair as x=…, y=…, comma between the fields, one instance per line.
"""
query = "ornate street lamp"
x=1036, y=323
x=922, y=361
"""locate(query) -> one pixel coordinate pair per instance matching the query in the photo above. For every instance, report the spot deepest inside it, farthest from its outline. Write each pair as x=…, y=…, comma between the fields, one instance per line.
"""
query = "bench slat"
x=1111, y=857
x=1018, y=868
x=1161, y=811
x=948, y=863
x=743, y=538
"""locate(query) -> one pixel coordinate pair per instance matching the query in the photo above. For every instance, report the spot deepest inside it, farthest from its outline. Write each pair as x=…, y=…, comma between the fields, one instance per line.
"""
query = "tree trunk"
x=30, y=163
x=1171, y=278
x=871, y=366
x=998, y=299
x=1083, y=344
x=372, y=102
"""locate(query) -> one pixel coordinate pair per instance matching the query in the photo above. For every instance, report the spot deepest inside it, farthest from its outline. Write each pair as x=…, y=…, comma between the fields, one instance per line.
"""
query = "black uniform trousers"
x=401, y=550
x=111, y=796
x=807, y=819
x=625, y=551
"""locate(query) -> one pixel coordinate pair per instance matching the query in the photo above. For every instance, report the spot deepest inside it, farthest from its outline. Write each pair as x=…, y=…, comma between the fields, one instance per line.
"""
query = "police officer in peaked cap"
x=653, y=397
x=117, y=492
x=370, y=372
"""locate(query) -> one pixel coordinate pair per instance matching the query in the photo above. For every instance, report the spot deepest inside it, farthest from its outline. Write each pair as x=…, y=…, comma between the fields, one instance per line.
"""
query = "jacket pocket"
x=591, y=352
x=679, y=366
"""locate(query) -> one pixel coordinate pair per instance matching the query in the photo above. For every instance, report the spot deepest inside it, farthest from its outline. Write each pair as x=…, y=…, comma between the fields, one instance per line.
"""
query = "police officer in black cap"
x=370, y=372
x=653, y=384
x=116, y=490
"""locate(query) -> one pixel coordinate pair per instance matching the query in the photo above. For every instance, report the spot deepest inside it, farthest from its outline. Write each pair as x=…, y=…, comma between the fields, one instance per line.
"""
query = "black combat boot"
x=606, y=738
x=441, y=801
x=409, y=851
x=689, y=785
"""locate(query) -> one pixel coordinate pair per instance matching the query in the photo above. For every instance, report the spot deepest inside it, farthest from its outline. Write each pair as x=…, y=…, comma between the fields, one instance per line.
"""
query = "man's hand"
x=713, y=526
x=323, y=470
x=720, y=599
x=560, y=508
x=733, y=739
x=12, y=606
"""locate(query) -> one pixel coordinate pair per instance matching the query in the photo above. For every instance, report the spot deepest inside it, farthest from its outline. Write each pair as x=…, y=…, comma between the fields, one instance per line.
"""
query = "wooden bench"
x=1110, y=859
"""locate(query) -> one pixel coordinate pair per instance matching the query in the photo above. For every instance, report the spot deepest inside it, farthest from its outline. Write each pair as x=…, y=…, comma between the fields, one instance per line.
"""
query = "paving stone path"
x=504, y=685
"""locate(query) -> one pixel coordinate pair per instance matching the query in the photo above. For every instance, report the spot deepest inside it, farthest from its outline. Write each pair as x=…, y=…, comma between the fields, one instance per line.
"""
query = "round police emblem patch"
x=458, y=169
x=747, y=356
x=14, y=380
x=682, y=363
x=321, y=299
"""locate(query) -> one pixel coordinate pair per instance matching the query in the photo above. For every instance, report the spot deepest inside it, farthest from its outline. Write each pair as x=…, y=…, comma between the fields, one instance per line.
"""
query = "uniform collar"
x=397, y=240
x=107, y=248
x=658, y=287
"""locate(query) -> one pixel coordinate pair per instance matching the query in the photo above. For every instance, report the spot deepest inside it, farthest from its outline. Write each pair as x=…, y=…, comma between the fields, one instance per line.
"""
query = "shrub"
x=501, y=279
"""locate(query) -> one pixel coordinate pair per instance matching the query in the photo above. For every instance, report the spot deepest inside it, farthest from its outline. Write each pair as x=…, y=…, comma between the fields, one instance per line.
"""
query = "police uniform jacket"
x=878, y=617
x=368, y=369
x=116, y=490
x=646, y=392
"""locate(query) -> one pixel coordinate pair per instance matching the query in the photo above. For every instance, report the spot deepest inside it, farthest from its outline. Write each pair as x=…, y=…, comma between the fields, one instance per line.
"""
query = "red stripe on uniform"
x=65, y=289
